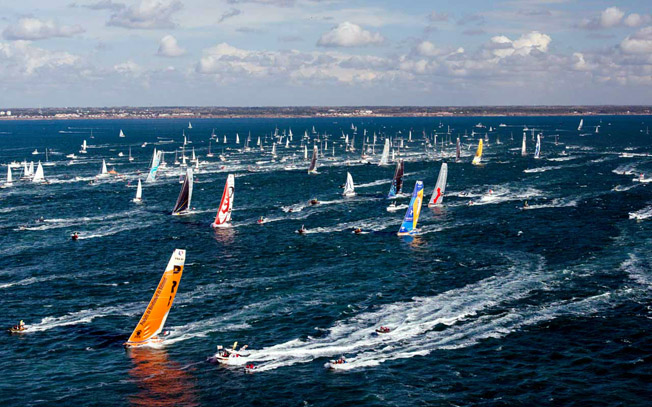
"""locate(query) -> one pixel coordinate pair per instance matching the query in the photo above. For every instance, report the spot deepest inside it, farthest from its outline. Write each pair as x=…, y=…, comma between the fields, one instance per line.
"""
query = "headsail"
x=414, y=209
x=440, y=187
x=397, y=181
x=223, y=216
x=185, y=196
x=478, y=154
x=152, y=322
x=313, y=162
x=349, y=188
x=537, y=149
x=384, y=159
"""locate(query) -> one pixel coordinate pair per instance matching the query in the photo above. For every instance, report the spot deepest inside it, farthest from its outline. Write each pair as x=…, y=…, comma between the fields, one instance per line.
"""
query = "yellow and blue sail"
x=414, y=209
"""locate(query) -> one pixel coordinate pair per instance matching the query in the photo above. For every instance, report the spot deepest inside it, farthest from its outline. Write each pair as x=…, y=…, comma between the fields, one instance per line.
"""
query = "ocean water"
x=488, y=305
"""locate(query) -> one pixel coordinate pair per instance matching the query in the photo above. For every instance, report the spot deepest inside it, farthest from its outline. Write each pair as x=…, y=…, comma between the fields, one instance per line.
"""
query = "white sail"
x=237, y=138
x=384, y=159
x=31, y=168
x=349, y=188
x=10, y=180
x=39, y=176
x=410, y=136
x=258, y=142
x=83, y=147
x=579, y=127
x=523, y=147
x=287, y=143
x=139, y=192
x=156, y=159
x=537, y=149
x=194, y=157
x=440, y=187
x=305, y=152
x=103, y=171
x=224, y=139
x=122, y=135
x=274, y=150
x=189, y=125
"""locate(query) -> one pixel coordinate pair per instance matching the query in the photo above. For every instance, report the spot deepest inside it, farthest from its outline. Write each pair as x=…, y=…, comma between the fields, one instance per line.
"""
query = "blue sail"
x=414, y=209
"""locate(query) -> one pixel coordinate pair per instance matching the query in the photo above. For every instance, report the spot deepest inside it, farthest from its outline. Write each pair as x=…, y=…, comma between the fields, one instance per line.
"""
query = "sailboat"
x=83, y=148
x=225, y=139
x=153, y=319
x=189, y=125
x=305, y=152
x=237, y=138
x=182, y=207
x=139, y=193
x=579, y=127
x=397, y=181
x=103, y=172
x=130, y=157
x=39, y=177
x=47, y=162
x=10, y=179
x=478, y=154
x=194, y=157
x=349, y=188
x=523, y=147
x=209, y=155
x=223, y=217
x=440, y=187
x=537, y=149
x=384, y=159
x=274, y=150
x=409, y=225
x=121, y=135
x=156, y=158
x=313, y=162
x=457, y=150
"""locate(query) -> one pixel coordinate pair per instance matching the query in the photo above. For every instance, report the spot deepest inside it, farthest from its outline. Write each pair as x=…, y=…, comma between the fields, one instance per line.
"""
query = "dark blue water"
x=489, y=305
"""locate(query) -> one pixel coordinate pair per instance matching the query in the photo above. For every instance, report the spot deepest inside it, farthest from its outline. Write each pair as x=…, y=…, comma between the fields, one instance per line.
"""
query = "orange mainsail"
x=152, y=321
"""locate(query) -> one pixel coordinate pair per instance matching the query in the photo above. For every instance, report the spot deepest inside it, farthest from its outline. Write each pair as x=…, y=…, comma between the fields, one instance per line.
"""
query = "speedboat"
x=336, y=364
x=314, y=201
x=229, y=356
x=261, y=220
x=383, y=330
x=393, y=207
x=302, y=230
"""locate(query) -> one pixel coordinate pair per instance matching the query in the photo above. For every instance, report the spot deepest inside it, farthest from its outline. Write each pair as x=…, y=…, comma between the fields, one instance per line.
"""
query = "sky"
x=324, y=52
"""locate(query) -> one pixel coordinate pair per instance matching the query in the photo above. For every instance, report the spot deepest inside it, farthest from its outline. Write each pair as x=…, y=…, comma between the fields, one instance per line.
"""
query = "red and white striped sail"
x=223, y=216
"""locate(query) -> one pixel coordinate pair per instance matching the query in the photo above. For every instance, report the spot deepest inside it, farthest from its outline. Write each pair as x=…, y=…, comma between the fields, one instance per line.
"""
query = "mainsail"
x=152, y=322
x=223, y=216
x=185, y=196
x=38, y=175
x=457, y=150
x=440, y=187
x=313, y=161
x=384, y=159
x=478, y=154
x=139, y=192
x=397, y=181
x=579, y=128
x=409, y=224
x=523, y=146
x=122, y=135
x=156, y=159
x=10, y=180
x=349, y=188
x=537, y=149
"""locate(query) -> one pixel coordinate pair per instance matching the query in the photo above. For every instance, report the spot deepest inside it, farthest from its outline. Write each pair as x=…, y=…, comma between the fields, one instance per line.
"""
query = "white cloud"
x=502, y=46
x=168, y=47
x=611, y=17
x=22, y=58
x=29, y=28
x=147, y=14
x=636, y=20
x=129, y=68
x=428, y=49
x=348, y=34
x=639, y=42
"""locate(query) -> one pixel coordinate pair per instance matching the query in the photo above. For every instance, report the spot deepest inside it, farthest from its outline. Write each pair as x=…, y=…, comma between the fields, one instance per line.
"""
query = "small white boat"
x=139, y=193
x=230, y=356
x=35, y=152
x=336, y=364
x=393, y=207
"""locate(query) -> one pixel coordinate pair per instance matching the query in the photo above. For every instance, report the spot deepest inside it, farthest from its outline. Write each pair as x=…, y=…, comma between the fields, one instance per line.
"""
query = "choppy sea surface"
x=488, y=305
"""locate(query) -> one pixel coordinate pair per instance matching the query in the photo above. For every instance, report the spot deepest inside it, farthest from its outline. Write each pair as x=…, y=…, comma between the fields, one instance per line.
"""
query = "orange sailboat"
x=152, y=321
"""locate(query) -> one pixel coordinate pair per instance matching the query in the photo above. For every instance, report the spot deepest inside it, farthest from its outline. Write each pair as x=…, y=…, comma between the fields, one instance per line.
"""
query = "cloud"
x=639, y=42
x=611, y=17
x=278, y=3
x=147, y=14
x=436, y=17
x=232, y=12
x=168, y=47
x=22, y=58
x=501, y=46
x=636, y=20
x=348, y=34
x=128, y=68
x=428, y=49
x=29, y=28
x=103, y=5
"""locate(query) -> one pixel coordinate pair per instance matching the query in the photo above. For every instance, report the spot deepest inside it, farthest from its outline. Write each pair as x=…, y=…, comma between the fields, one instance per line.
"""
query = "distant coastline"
x=193, y=113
